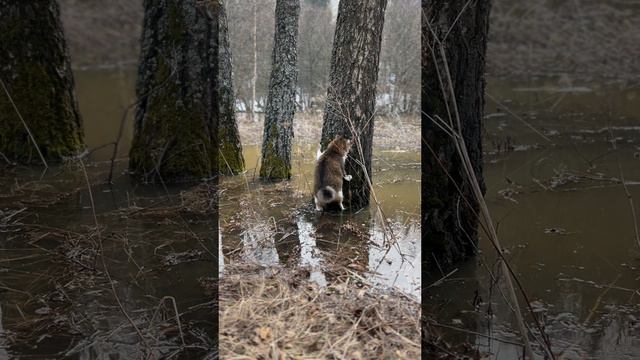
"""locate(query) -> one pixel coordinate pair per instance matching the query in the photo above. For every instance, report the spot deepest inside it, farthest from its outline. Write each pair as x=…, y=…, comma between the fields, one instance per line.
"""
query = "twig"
x=104, y=264
x=123, y=120
x=474, y=184
x=634, y=218
x=519, y=118
x=24, y=123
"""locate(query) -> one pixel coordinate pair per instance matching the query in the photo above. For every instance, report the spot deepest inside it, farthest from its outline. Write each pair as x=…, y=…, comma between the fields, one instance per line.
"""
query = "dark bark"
x=174, y=133
x=449, y=211
x=213, y=12
x=230, y=148
x=351, y=95
x=35, y=67
x=281, y=101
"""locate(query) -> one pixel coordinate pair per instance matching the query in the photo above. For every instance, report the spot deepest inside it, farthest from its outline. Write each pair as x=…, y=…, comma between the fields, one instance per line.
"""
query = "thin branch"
x=24, y=123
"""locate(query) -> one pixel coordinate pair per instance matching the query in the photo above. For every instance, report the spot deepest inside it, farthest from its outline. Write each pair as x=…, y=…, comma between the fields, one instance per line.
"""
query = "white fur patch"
x=319, y=153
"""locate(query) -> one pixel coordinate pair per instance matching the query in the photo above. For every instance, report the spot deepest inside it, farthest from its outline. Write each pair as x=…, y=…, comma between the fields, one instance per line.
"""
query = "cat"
x=330, y=173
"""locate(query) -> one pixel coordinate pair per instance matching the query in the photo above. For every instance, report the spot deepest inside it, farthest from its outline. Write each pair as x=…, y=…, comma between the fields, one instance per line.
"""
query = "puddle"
x=276, y=225
x=56, y=299
x=564, y=219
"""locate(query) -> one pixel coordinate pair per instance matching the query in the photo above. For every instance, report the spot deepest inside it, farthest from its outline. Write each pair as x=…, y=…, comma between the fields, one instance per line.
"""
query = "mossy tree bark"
x=351, y=97
x=35, y=67
x=449, y=211
x=231, y=159
x=281, y=101
x=174, y=134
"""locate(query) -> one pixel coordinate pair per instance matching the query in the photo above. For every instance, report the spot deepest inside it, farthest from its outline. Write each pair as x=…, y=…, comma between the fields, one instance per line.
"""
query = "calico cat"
x=330, y=173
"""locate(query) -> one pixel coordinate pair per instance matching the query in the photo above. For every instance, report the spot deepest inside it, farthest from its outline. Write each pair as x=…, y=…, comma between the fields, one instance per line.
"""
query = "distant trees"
x=314, y=54
x=455, y=38
x=281, y=102
x=351, y=96
x=231, y=160
x=39, y=95
x=399, y=77
x=249, y=51
x=174, y=131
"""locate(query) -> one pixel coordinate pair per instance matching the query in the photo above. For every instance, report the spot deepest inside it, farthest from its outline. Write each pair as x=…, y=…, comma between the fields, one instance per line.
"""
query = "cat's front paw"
x=348, y=177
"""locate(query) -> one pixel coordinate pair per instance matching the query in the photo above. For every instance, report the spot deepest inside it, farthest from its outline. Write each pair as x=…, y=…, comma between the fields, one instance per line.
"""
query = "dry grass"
x=280, y=315
x=589, y=39
x=391, y=132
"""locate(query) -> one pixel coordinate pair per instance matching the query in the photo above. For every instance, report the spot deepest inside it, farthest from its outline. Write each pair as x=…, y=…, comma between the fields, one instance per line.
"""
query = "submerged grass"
x=60, y=276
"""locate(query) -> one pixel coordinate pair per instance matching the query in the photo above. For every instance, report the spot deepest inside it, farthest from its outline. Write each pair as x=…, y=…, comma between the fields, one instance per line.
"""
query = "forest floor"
x=277, y=313
x=391, y=132
x=82, y=278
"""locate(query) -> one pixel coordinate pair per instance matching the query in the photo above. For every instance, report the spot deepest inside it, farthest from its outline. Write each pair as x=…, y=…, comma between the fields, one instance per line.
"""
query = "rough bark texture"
x=449, y=210
x=214, y=12
x=230, y=148
x=281, y=101
x=174, y=133
x=35, y=68
x=351, y=96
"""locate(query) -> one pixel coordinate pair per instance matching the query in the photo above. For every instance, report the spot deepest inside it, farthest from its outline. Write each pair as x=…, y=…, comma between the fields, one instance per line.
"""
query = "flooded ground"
x=564, y=218
x=555, y=193
x=298, y=283
x=277, y=225
x=138, y=284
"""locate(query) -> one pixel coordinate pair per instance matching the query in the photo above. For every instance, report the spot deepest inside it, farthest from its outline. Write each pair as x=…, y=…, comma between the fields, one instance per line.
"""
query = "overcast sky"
x=334, y=8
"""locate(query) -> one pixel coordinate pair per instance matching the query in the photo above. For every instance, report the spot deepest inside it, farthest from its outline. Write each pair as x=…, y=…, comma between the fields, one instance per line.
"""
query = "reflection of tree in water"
x=273, y=226
x=395, y=257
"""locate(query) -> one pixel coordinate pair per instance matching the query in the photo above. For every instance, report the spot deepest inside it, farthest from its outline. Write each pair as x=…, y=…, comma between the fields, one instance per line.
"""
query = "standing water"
x=135, y=281
x=555, y=160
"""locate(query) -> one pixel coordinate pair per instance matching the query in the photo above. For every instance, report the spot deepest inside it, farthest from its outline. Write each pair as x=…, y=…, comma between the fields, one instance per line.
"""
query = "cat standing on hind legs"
x=330, y=173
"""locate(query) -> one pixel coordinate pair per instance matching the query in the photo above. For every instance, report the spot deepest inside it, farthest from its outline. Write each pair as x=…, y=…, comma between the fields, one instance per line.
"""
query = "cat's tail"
x=326, y=194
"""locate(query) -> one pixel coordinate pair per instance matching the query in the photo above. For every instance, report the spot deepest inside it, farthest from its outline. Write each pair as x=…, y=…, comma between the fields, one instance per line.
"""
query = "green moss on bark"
x=230, y=157
x=174, y=138
x=273, y=167
x=171, y=137
x=37, y=75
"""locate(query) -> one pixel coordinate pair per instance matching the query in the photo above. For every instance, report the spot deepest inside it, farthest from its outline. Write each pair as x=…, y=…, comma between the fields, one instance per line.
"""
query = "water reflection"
x=310, y=257
x=564, y=219
x=275, y=225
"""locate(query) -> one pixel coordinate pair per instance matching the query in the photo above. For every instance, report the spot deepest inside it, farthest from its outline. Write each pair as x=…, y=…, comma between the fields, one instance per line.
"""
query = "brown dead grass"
x=391, y=132
x=278, y=314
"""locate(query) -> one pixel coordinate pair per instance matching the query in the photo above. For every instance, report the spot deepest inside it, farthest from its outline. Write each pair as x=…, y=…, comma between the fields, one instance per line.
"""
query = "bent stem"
x=467, y=166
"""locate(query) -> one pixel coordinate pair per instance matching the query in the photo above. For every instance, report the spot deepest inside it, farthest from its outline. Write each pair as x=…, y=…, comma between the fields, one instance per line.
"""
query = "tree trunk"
x=231, y=159
x=35, y=69
x=450, y=223
x=214, y=13
x=281, y=101
x=174, y=137
x=351, y=96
